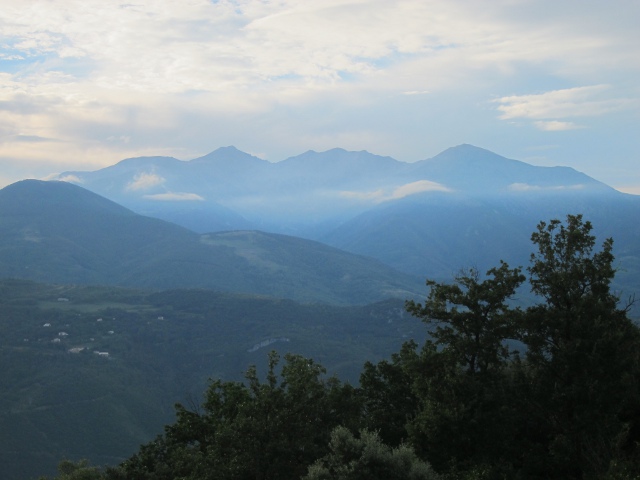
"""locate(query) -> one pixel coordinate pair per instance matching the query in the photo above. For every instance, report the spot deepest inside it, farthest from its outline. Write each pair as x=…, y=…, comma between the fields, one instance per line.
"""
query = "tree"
x=388, y=397
x=582, y=353
x=270, y=429
x=464, y=412
x=472, y=317
x=368, y=458
x=80, y=470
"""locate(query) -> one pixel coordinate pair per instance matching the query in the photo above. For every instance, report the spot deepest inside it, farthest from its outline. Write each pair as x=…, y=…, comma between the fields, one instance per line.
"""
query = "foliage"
x=352, y=458
x=388, y=397
x=266, y=430
x=463, y=414
x=583, y=353
x=472, y=317
x=80, y=470
x=569, y=409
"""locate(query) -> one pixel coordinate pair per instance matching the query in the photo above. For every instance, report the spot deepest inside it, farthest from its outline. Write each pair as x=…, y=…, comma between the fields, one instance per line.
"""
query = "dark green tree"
x=472, y=318
x=271, y=429
x=80, y=470
x=464, y=414
x=582, y=354
x=389, y=400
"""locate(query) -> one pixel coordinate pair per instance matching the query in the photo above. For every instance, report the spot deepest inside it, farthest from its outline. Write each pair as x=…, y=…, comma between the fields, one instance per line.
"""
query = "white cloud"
x=145, y=181
x=417, y=187
x=632, y=189
x=70, y=179
x=556, y=126
x=546, y=108
x=375, y=195
x=570, y=102
x=175, y=196
x=384, y=195
x=525, y=187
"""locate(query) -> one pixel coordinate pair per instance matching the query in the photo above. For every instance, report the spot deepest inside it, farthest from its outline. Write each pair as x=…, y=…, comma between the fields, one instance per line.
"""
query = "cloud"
x=525, y=187
x=570, y=102
x=31, y=139
x=417, y=187
x=632, y=189
x=544, y=109
x=384, y=195
x=555, y=126
x=174, y=196
x=145, y=181
x=376, y=195
x=70, y=179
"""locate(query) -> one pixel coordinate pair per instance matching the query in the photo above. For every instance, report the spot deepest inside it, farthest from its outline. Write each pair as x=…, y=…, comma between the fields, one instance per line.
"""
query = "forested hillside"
x=93, y=372
x=465, y=404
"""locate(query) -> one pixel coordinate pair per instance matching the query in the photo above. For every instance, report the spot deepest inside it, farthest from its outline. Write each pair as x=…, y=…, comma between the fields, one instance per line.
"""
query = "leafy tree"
x=80, y=470
x=582, y=353
x=472, y=317
x=464, y=411
x=571, y=408
x=258, y=430
x=352, y=458
x=389, y=400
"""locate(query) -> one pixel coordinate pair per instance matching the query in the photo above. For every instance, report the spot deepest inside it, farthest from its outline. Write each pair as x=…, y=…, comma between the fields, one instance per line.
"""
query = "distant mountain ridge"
x=309, y=193
x=430, y=218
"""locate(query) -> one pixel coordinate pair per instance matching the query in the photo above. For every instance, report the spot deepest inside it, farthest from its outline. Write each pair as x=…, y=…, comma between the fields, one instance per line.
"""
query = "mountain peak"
x=469, y=153
x=34, y=196
x=225, y=154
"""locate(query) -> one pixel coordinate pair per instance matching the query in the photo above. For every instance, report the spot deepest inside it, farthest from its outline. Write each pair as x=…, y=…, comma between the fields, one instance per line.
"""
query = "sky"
x=87, y=83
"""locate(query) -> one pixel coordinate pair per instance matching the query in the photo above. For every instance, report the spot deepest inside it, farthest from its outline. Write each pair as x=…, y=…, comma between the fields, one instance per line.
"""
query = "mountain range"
x=464, y=207
x=311, y=193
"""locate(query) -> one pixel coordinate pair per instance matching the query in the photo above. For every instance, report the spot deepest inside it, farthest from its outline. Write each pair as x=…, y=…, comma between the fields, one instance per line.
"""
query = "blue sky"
x=86, y=84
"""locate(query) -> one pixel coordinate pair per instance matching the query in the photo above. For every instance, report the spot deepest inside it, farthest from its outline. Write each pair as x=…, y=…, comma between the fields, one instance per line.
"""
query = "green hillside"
x=60, y=398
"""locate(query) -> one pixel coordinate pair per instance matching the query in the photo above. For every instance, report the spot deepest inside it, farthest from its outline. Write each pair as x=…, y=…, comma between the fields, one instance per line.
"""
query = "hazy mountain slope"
x=436, y=235
x=174, y=190
x=472, y=170
x=58, y=232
